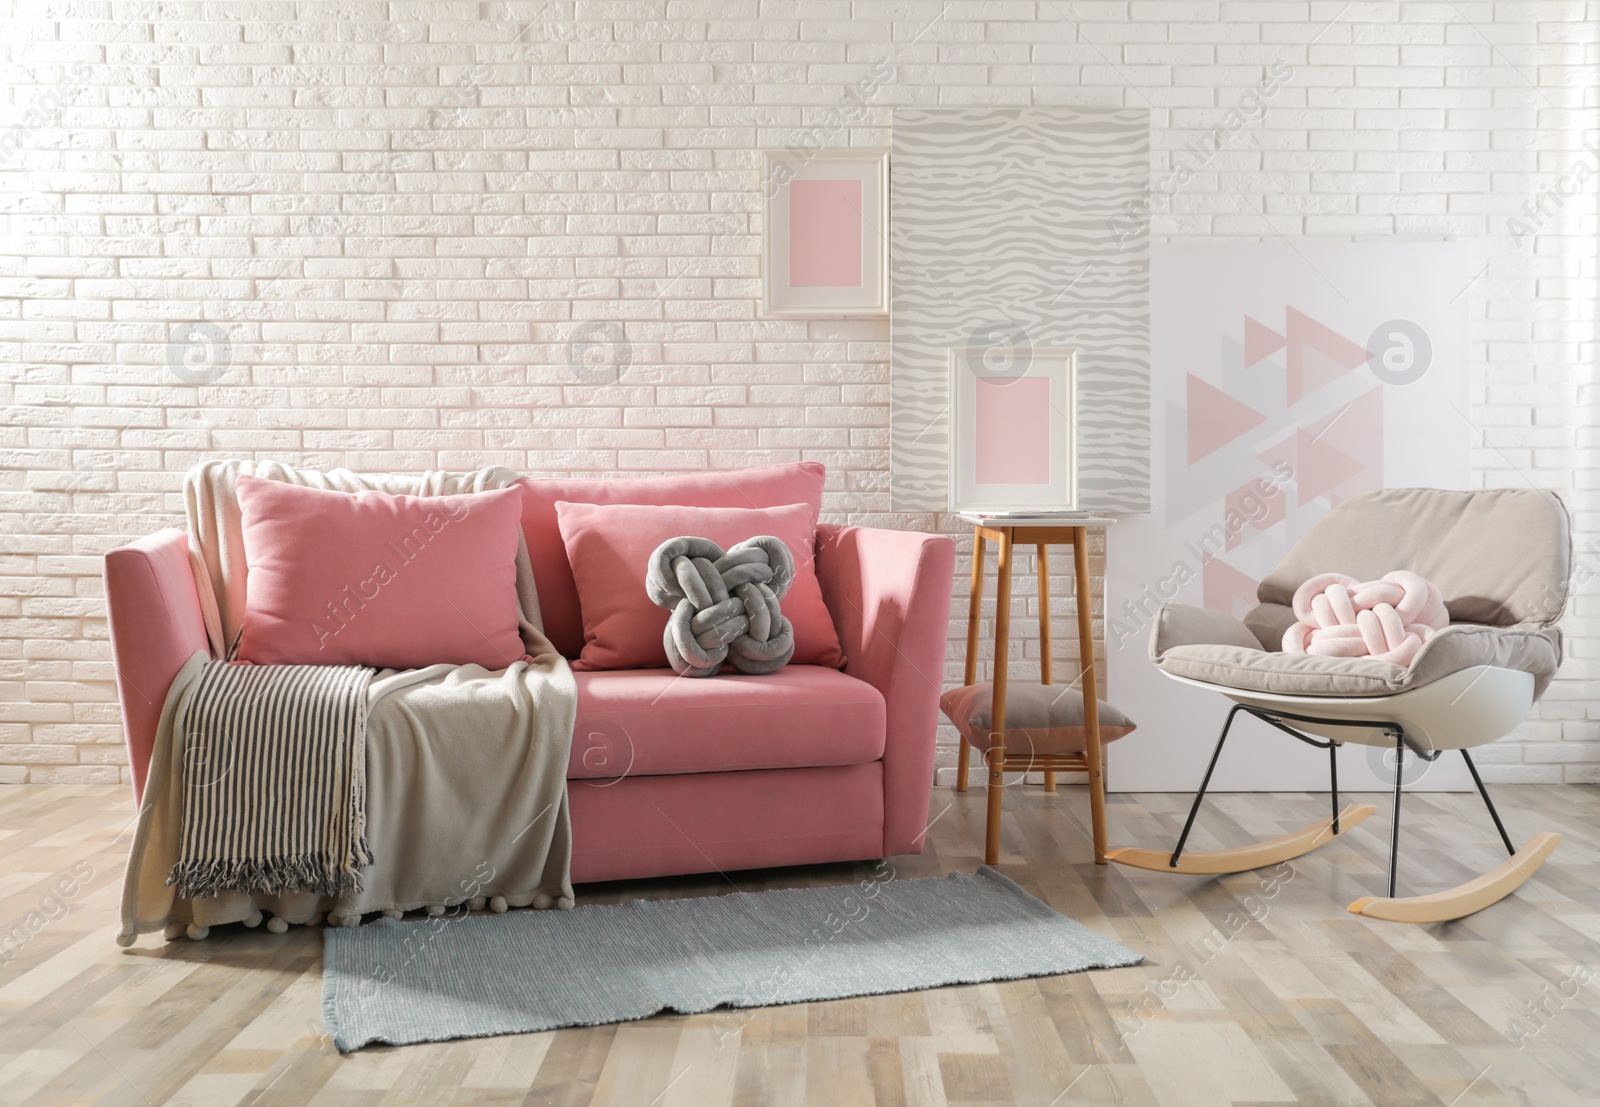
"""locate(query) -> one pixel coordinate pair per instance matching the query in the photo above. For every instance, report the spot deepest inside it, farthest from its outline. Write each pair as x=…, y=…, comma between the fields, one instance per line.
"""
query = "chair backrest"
x=1500, y=556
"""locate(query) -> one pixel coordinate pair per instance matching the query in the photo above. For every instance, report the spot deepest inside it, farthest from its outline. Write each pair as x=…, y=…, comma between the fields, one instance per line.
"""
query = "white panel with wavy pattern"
x=1021, y=227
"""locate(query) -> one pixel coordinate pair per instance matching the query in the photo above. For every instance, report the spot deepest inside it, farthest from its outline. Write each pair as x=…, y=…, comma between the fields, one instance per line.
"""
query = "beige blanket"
x=466, y=767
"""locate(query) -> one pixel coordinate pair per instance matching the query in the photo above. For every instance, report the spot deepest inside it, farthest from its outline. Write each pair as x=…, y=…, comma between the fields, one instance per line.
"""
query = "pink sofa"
x=674, y=776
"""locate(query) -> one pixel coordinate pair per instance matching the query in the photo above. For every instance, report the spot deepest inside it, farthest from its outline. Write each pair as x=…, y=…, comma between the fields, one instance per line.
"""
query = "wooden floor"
x=1258, y=988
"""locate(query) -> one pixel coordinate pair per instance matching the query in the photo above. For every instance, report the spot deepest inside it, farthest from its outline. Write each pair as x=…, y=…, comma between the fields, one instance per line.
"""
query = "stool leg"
x=997, y=736
x=1091, y=693
x=1045, y=675
x=974, y=611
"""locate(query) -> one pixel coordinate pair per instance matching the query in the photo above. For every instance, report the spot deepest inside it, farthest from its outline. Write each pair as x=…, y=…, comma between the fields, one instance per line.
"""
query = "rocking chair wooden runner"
x=1502, y=560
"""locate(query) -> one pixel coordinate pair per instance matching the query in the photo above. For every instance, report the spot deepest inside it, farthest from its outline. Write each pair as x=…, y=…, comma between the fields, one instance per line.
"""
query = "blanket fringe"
x=285, y=821
x=318, y=872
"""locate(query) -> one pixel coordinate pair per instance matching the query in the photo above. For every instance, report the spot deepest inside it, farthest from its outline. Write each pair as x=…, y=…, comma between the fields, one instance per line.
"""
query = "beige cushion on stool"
x=1040, y=718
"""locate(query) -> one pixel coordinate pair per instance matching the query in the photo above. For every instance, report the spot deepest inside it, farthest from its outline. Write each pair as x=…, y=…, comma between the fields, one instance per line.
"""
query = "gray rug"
x=478, y=975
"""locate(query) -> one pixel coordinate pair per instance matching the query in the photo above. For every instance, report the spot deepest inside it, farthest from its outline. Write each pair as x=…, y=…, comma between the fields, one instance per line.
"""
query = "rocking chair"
x=1501, y=559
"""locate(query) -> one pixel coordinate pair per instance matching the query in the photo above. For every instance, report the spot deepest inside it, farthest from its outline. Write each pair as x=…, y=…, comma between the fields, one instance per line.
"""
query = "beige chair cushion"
x=1500, y=557
x=1219, y=649
x=1268, y=622
x=1181, y=624
x=1040, y=718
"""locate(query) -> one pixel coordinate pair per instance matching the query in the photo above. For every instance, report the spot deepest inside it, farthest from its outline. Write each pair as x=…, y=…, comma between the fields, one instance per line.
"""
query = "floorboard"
x=1259, y=987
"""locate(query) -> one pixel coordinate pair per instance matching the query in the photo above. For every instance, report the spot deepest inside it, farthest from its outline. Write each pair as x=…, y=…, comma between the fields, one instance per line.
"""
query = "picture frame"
x=1014, y=430
x=825, y=232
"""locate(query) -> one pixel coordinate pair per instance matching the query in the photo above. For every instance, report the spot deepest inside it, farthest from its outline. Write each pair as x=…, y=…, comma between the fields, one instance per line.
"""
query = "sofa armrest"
x=889, y=594
x=1181, y=624
x=156, y=625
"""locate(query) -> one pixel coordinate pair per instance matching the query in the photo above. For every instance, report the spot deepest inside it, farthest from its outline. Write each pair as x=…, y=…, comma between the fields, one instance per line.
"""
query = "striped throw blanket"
x=274, y=768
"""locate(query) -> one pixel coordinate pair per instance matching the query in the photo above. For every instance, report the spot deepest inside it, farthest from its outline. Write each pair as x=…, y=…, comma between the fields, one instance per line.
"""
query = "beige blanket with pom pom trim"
x=466, y=767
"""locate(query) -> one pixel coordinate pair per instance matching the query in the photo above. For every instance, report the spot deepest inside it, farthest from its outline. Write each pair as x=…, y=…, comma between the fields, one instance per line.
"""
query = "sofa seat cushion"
x=653, y=722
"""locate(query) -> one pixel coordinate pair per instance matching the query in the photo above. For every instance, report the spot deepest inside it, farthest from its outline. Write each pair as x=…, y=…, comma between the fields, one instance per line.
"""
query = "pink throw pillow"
x=371, y=579
x=773, y=486
x=609, y=548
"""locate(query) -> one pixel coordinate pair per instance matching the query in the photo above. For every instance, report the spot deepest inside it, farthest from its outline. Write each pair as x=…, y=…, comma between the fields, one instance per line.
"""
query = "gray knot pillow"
x=724, y=604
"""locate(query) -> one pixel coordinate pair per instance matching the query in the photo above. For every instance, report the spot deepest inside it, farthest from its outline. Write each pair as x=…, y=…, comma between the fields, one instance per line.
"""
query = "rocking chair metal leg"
x=1261, y=854
x=1333, y=782
x=1476, y=894
x=1489, y=803
x=1205, y=781
x=1394, y=827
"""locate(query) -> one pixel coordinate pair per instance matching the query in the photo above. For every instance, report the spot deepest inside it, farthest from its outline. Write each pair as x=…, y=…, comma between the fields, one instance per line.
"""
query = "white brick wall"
x=399, y=215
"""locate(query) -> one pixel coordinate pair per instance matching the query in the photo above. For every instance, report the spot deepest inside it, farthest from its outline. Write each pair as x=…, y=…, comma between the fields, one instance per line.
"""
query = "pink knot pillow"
x=1386, y=619
x=365, y=578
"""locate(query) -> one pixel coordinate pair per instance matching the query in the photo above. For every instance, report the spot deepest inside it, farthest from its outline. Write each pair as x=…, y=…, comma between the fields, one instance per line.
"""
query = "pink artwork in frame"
x=1013, y=430
x=825, y=234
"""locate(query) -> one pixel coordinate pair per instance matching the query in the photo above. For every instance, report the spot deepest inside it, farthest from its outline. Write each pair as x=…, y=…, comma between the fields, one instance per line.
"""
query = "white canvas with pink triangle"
x=1285, y=377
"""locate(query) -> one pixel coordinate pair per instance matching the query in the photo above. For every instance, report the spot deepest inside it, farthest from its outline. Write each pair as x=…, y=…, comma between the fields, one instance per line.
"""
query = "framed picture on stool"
x=1013, y=428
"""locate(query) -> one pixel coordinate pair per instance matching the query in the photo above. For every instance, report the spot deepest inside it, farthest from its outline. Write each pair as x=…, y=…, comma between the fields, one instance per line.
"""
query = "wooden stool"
x=1041, y=534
